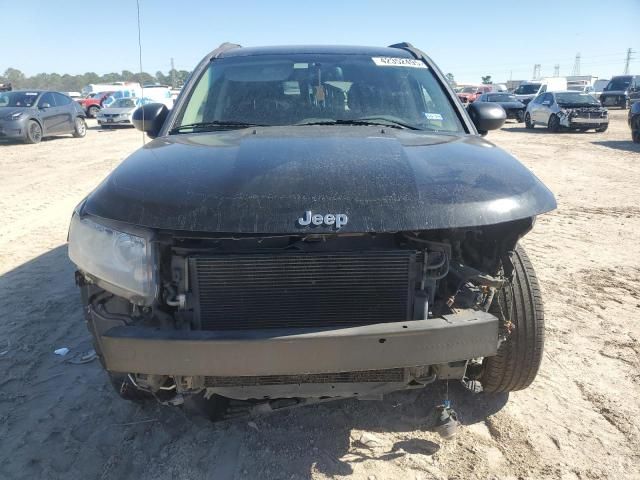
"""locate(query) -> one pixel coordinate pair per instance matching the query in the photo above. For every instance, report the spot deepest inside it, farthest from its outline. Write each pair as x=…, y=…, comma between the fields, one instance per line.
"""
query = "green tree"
x=486, y=80
x=15, y=77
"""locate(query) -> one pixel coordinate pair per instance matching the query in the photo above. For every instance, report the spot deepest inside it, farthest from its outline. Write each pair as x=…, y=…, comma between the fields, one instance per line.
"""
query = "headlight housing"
x=14, y=116
x=119, y=262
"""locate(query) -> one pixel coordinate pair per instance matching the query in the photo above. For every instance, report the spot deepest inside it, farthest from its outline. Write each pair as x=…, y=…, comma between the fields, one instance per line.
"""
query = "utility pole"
x=173, y=74
x=576, y=65
x=628, y=61
x=536, y=72
x=556, y=70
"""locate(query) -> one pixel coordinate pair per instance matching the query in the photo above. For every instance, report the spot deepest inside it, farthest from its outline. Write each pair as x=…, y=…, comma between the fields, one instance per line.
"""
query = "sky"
x=467, y=38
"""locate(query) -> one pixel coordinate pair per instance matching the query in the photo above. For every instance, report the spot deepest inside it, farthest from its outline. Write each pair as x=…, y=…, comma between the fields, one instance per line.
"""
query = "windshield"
x=297, y=89
x=571, y=98
x=527, y=89
x=619, y=83
x=18, y=99
x=501, y=98
x=123, y=103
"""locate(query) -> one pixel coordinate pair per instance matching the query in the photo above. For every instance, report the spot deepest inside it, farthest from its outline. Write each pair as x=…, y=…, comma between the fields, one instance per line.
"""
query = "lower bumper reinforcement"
x=450, y=338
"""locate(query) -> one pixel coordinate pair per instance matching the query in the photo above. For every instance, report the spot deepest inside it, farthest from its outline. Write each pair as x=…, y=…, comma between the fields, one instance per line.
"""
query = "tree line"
x=74, y=83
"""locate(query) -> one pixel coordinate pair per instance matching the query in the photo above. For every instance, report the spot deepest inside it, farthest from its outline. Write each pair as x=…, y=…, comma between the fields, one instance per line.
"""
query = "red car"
x=471, y=94
x=93, y=103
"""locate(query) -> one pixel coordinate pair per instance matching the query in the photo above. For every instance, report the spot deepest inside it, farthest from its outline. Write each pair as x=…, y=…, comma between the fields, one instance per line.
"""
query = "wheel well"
x=39, y=123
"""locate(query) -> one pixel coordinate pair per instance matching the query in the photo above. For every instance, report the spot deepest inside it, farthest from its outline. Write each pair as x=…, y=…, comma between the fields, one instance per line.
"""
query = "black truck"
x=312, y=223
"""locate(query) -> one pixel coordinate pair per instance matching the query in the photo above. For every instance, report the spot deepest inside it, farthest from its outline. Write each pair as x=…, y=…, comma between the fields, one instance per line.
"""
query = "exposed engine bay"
x=243, y=284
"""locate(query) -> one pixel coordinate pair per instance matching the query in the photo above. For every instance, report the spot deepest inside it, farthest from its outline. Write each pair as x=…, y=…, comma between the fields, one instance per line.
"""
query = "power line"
x=628, y=60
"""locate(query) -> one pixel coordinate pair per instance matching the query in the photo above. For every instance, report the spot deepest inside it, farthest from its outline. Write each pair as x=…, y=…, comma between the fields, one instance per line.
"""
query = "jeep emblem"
x=337, y=219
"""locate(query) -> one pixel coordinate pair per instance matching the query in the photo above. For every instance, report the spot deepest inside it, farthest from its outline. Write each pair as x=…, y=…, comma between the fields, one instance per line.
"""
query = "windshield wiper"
x=215, y=125
x=364, y=121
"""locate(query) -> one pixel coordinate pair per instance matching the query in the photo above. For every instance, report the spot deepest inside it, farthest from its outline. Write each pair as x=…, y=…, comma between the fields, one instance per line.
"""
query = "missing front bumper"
x=450, y=338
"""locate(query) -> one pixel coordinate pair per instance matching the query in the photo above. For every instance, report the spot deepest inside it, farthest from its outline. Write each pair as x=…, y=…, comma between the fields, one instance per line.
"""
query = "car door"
x=534, y=107
x=66, y=111
x=544, y=112
x=48, y=112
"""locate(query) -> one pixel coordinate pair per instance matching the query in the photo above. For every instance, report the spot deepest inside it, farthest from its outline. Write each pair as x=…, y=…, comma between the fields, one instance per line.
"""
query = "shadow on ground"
x=620, y=145
x=61, y=420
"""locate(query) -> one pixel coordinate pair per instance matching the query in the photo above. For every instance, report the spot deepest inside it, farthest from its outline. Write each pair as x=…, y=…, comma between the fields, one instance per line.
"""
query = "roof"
x=323, y=49
x=30, y=90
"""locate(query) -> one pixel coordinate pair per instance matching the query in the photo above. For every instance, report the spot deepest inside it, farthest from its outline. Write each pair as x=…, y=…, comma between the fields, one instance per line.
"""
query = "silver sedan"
x=570, y=110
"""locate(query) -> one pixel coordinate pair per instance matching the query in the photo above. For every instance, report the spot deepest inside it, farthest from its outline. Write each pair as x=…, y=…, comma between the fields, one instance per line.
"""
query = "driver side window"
x=47, y=98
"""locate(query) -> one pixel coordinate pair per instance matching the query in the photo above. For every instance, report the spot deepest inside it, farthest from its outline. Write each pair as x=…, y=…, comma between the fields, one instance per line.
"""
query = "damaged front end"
x=307, y=317
x=583, y=118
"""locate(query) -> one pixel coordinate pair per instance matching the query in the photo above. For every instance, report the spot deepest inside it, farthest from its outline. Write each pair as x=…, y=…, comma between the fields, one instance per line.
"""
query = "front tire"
x=554, y=123
x=518, y=360
x=602, y=129
x=527, y=121
x=93, y=111
x=79, y=128
x=34, y=132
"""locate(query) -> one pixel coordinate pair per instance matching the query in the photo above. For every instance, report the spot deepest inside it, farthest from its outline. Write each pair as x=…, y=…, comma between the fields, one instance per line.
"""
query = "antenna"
x=576, y=65
x=628, y=60
x=140, y=61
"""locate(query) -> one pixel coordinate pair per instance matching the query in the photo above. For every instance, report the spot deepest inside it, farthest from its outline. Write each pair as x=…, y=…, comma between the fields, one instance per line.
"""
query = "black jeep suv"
x=312, y=223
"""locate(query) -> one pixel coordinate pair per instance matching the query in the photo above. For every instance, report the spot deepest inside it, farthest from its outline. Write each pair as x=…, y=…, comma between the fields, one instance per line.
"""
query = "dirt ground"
x=579, y=420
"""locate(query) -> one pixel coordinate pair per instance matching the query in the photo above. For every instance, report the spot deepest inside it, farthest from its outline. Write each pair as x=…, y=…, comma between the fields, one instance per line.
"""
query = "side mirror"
x=486, y=116
x=149, y=118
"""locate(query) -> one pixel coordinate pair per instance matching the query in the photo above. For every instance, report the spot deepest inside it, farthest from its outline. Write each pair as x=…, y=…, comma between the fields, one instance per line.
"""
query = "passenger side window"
x=61, y=99
x=47, y=98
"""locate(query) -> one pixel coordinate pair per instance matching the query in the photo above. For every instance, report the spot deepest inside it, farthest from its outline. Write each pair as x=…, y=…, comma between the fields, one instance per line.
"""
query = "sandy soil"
x=579, y=420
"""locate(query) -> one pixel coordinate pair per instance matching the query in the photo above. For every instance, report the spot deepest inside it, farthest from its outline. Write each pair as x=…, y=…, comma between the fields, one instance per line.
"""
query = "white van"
x=527, y=91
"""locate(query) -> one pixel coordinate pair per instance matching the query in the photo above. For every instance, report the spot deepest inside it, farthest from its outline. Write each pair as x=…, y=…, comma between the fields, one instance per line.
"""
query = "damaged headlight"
x=119, y=262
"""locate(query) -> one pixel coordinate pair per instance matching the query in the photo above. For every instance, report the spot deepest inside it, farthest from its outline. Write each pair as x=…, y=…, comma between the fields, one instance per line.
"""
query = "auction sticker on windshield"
x=398, y=62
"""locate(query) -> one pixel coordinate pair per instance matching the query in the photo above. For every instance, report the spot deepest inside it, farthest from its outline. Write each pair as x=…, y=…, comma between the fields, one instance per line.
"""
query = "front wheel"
x=554, y=123
x=519, y=307
x=602, y=129
x=93, y=111
x=520, y=117
x=34, y=132
x=527, y=121
x=79, y=128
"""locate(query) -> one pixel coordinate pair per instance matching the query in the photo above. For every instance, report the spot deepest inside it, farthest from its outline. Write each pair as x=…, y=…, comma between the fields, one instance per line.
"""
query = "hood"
x=263, y=180
x=117, y=111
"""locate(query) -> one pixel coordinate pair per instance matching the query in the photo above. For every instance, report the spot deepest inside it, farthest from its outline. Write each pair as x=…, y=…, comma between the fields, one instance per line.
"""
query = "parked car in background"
x=572, y=110
x=5, y=87
x=119, y=112
x=93, y=103
x=527, y=91
x=73, y=95
x=621, y=91
x=31, y=115
x=581, y=88
x=511, y=105
x=598, y=86
x=634, y=122
x=109, y=87
x=470, y=94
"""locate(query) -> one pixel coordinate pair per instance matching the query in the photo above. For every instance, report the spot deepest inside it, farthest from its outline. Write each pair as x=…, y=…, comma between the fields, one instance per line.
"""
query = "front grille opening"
x=262, y=291
x=367, y=376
